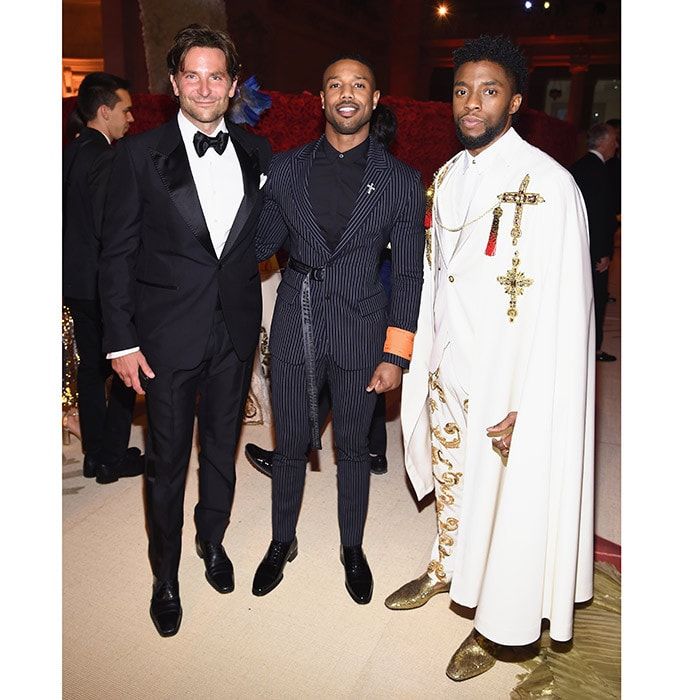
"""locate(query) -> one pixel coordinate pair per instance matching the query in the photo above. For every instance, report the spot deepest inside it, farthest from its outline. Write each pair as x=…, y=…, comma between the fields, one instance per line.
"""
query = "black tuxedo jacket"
x=593, y=179
x=86, y=165
x=349, y=305
x=160, y=278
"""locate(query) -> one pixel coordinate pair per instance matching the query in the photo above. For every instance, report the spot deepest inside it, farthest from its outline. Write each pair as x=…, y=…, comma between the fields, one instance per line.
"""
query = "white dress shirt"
x=218, y=180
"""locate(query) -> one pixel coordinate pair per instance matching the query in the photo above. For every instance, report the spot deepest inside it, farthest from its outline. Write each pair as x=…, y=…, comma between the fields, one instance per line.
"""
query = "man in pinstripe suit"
x=336, y=203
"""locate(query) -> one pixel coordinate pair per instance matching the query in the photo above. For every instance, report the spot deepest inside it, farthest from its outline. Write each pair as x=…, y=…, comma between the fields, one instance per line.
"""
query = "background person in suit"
x=104, y=112
x=383, y=128
x=593, y=179
x=181, y=298
x=337, y=202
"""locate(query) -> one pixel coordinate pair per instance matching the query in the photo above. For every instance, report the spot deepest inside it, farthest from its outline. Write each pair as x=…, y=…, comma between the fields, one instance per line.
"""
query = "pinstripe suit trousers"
x=352, y=414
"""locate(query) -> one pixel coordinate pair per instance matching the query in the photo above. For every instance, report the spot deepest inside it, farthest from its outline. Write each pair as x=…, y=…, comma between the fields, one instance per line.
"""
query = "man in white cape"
x=498, y=405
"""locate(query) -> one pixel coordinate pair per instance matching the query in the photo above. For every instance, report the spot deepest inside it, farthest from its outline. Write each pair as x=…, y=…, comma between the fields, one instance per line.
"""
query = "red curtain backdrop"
x=425, y=136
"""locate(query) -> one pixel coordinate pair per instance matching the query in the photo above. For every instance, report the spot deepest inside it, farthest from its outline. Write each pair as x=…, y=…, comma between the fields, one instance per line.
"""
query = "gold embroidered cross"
x=514, y=283
x=519, y=198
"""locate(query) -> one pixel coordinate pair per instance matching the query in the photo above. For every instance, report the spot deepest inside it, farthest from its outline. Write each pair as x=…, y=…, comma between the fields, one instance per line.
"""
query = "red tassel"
x=493, y=234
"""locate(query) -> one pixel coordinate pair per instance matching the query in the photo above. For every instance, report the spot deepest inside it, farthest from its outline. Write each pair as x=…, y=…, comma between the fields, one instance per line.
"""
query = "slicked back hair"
x=98, y=89
x=497, y=49
x=201, y=36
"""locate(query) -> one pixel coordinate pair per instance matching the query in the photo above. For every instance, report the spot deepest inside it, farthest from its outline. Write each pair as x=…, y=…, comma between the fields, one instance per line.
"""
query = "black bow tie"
x=202, y=142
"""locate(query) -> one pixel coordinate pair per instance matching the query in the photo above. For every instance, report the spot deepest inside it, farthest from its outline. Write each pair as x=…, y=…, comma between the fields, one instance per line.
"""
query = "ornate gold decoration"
x=514, y=283
x=450, y=429
x=432, y=384
x=520, y=198
x=429, y=246
x=69, y=393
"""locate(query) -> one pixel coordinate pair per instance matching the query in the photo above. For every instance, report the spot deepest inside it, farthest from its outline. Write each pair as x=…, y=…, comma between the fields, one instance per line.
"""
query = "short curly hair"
x=497, y=49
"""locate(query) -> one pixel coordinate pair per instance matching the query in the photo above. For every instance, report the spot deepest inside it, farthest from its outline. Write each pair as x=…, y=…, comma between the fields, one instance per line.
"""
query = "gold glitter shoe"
x=415, y=593
x=473, y=658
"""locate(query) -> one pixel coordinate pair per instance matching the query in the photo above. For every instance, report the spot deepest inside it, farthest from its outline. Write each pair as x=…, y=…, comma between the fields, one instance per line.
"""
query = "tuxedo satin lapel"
x=173, y=167
x=301, y=167
x=376, y=175
x=250, y=169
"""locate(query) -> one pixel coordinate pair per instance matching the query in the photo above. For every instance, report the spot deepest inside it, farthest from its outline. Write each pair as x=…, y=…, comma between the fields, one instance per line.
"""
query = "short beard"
x=344, y=127
x=490, y=134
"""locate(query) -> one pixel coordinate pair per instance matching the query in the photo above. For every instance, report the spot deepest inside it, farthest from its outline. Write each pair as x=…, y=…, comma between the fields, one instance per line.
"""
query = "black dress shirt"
x=334, y=183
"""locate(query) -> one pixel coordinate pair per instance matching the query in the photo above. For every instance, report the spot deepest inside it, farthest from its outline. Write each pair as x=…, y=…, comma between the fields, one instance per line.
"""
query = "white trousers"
x=448, y=404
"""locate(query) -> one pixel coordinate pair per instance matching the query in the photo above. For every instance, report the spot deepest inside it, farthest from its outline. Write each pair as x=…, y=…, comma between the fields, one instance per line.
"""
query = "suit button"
x=451, y=278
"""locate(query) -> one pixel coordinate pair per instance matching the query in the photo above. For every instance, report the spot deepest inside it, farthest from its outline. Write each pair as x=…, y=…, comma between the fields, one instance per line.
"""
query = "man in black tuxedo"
x=336, y=203
x=593, y=179
x=104, y=110
x=181, y=298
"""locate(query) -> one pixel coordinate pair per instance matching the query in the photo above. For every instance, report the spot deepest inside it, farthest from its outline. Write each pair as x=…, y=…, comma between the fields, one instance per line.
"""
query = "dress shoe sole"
x=378, y=471
x=100, y=479
x=256, y=466
x=277, y=581
x=167, y=633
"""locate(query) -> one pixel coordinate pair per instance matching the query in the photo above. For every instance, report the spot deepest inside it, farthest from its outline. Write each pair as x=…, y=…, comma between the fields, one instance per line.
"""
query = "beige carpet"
x=306, y=639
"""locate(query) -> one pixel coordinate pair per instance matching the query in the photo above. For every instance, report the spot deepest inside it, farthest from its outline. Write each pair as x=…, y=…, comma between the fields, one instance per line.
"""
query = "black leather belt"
x=307, y=330
x=315, y=273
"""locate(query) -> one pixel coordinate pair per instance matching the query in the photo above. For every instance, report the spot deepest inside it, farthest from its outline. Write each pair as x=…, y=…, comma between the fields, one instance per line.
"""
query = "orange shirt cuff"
x=399, y=342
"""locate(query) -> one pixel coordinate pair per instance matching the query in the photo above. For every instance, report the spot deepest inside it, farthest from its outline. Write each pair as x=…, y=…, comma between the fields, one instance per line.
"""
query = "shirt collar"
x=352, y=156
x=600, y=155
x=188, y=129
x=490, y=154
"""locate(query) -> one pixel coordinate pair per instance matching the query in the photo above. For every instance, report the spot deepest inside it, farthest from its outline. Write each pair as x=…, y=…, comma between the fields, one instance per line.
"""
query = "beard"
x=343, y=126
x=491, y=133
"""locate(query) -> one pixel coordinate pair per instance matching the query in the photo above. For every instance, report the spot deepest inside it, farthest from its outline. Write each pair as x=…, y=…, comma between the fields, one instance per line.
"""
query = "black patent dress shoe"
x=166, y=611
x=269, y=572
x=377, y=464
x=259, y=458
x=218, y=567
x=358, y=577
x=604, y=357
x=132, y=464
x=90, y=467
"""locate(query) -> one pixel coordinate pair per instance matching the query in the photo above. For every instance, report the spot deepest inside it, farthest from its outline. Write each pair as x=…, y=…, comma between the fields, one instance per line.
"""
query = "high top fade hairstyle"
x=201, y=36
x=497, y=49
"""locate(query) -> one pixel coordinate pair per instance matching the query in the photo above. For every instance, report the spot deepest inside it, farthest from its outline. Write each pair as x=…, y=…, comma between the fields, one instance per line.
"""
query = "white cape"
x=525, y=545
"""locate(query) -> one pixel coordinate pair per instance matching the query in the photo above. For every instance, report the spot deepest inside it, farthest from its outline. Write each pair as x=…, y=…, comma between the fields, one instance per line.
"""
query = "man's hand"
x=127, y=367
x=603, y=264
x=385, y=378
x=502, y=434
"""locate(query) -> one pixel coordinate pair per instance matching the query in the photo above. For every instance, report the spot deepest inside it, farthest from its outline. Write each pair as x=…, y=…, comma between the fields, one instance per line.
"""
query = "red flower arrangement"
x=425, y=136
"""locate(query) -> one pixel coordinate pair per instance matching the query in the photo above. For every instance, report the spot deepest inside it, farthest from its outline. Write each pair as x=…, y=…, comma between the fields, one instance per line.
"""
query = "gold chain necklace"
x=465, y=223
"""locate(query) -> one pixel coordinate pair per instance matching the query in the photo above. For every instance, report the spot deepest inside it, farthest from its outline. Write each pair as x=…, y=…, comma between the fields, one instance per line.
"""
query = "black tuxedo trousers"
x=221, y=380
x=105, y=425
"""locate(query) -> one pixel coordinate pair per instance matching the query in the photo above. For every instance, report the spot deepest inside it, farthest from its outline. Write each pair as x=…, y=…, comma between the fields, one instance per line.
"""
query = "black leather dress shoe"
x=218, y=567
x=132, y=464
x=89, y=467
x=377, y=464
x=166, y=611
x=604, y=357
x=358, y=577
x=259, y=458
x=269, y=572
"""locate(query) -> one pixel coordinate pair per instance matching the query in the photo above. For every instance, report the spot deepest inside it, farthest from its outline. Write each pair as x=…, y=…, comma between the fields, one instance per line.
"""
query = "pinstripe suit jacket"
x=349, y=306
